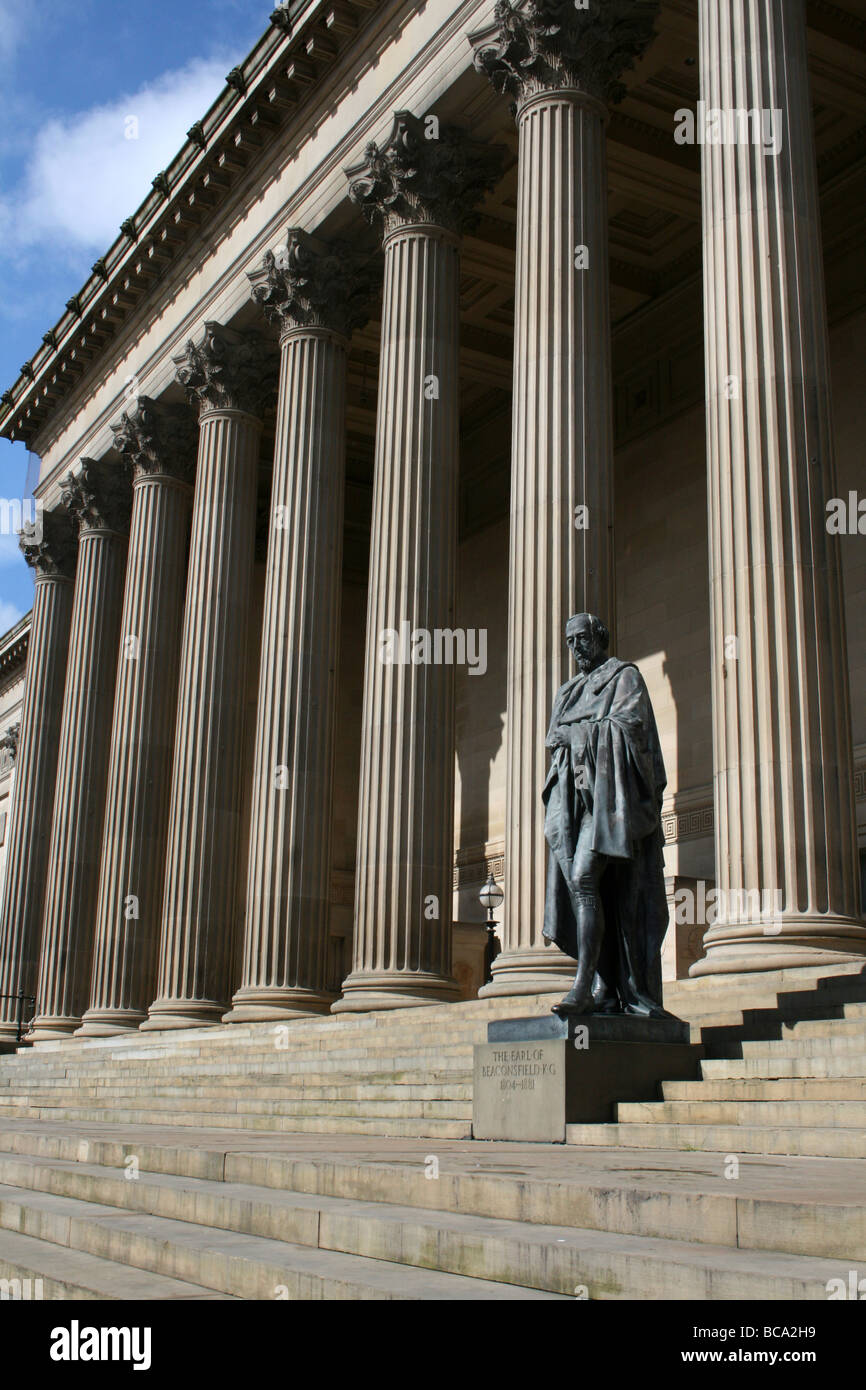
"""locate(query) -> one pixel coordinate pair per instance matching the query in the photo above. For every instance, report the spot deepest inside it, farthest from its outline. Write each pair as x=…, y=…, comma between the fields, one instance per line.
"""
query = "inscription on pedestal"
x=572, y=1071
x=520, y=1091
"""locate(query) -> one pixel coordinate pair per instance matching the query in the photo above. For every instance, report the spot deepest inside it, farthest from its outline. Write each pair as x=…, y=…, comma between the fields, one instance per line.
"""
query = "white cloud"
x=10, y=553
x=85, y=175
x=9, y=615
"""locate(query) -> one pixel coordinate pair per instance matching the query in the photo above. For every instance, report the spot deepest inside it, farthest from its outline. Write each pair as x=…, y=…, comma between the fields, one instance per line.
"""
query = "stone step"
x=770, y=1207
x=296, y=1217
x=845, y=1114
x=777, y=1065
x=240, y=1099
x=458, y=1089
x=802, y=976
x=74, y=1275
x=835, y=1043
x=274, y=1062
x=242, y=1061
x=337, y=1248
x=766, y=1021
x=412, y=1022
x=776, y=1089
x=418, y=1127
x=240, y=1102
x=724, y=1138
x=234, y=1262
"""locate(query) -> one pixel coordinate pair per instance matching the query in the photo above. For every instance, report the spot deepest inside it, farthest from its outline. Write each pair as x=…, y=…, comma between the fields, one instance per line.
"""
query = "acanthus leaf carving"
x=98, y=497
x=311, y=285
x=544, y=45
x=229, y=370
x=157, y=437
x=413, y=178
x=48, y=545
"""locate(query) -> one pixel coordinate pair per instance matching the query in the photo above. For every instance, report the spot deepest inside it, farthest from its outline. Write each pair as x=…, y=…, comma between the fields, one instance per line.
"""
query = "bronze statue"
x=605, y=903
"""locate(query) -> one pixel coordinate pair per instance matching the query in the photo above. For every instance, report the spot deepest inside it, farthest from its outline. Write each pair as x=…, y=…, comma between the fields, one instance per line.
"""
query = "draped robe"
x=611, y=770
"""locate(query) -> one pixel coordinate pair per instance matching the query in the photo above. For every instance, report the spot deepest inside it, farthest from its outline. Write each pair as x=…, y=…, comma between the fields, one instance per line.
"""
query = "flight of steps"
x=196, y=1219
x=258, y=1162
x=784, y=1071
x=403, y=1073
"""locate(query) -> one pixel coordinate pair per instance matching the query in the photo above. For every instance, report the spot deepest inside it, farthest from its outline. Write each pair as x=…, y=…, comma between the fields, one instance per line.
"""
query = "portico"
x=403, y=356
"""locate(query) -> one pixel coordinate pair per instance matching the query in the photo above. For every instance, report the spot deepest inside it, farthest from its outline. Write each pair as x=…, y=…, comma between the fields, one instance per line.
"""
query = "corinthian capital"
x=48, y=545
x=414, y=178
x=309, y=285
x=229, y=370
x=98, y=497
x=543, y=45
x=155, y=437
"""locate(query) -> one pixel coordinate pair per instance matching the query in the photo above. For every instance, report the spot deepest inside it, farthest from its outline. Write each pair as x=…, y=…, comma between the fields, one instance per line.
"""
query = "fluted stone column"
x=98, y=498
x=422, y=190
x=561, y=66
x=786, y=858
x=158, y=443
x=52, y=556
x=230, y=375
x=316, y=297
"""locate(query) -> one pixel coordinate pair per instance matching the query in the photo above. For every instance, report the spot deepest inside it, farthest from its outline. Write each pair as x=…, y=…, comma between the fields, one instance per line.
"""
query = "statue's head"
x=588, y=640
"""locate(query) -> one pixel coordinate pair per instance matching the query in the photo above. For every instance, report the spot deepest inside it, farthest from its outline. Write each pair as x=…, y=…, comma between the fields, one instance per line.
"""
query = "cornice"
x=305, y=39
x=13, y=648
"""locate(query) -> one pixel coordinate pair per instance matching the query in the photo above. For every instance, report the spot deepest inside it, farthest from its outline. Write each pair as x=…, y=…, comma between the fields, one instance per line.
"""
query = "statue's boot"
x=590, y=934
x=575, y=1002
x=605, y=1002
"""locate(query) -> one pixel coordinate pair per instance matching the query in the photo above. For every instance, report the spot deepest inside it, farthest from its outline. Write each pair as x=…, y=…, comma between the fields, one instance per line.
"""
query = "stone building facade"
x=444, y=323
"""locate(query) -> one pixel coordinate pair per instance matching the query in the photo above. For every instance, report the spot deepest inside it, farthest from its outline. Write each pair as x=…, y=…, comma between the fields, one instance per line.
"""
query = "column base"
x=786, y=945
x=529, y=971
x=182, y=1013
x=104, y=1023
x=54, y=1026
x=265, y=1005
x=367, y=990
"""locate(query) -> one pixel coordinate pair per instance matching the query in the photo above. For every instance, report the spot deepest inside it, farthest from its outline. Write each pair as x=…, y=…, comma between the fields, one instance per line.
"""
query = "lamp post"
x=491, y=897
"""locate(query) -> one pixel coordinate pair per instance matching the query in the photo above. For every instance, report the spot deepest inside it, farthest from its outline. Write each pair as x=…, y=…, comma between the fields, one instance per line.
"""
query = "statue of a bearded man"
x=606, y=905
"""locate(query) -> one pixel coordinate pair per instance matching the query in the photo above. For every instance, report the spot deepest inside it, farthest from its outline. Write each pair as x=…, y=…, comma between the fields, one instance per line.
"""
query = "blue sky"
x=71, y=76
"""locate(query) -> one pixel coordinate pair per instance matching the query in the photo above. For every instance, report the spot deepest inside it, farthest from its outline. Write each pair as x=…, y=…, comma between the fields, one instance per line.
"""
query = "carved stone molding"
x=98, y=497
x=155, y=437
x=413, y=178
x=229, y=370
x=49, y=546
x=9, y=743
x=544, y=45
x=310, y=285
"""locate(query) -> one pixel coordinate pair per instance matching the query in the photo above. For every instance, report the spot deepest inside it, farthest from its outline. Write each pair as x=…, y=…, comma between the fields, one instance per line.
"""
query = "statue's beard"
x=584, y=665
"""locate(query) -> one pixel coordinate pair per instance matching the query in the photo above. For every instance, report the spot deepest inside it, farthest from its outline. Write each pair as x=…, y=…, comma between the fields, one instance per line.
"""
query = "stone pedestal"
x=52, y=556
x=534, y=1076
x=786, y=854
